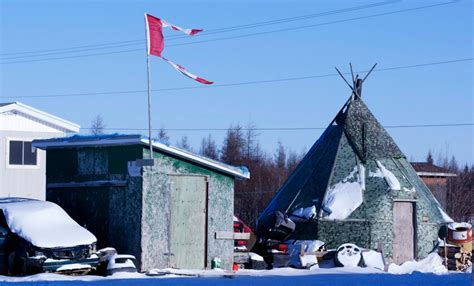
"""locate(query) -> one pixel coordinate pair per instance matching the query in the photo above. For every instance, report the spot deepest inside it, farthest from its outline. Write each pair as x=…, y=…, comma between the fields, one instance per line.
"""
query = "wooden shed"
x=171, y=214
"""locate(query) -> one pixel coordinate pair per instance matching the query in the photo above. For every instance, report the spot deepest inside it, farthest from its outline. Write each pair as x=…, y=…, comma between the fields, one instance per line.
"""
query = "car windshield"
x=43, y=224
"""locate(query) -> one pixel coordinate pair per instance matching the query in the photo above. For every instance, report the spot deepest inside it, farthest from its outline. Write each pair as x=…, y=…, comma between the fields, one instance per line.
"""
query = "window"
x=22, y=153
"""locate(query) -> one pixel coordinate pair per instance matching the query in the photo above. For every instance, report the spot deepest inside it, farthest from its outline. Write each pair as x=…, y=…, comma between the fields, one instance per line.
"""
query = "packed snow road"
x=306, y=280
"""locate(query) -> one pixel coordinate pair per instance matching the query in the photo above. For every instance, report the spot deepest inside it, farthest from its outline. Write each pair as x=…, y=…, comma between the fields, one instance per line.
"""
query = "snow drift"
x=433, y=263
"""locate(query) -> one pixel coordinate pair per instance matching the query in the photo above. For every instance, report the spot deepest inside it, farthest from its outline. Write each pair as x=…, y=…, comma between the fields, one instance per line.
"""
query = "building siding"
x=23, y=181
x=156, y=188
x=134, y=218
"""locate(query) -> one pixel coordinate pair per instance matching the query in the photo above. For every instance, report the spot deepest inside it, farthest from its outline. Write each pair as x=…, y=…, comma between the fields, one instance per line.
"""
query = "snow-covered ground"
x=275, y=277
x=428, y=271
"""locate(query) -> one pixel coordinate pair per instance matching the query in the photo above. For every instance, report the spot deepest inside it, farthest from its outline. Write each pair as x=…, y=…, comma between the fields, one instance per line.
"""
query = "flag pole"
x=149, y=87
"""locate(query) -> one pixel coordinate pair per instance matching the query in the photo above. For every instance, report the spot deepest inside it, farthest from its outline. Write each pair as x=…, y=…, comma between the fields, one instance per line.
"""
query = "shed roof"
x=120, y=140
x=431, y=170
x=41, y=116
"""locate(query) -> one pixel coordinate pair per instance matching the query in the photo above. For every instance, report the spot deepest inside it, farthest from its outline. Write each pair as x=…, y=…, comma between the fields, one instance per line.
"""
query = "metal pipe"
x=149, y=87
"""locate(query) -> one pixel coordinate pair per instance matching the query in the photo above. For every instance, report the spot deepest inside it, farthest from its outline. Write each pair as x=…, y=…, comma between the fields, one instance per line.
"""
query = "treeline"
x=241, y=147
x=460, y=189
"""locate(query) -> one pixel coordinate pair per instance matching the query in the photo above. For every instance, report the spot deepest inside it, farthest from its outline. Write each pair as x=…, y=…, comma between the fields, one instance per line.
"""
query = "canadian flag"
x=156, y=43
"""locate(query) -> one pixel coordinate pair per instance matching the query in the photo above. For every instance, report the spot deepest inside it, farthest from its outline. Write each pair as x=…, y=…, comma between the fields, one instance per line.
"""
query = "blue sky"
x=433, y=94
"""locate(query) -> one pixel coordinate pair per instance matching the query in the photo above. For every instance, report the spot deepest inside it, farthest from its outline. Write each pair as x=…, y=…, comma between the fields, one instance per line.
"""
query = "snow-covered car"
x=39, y=236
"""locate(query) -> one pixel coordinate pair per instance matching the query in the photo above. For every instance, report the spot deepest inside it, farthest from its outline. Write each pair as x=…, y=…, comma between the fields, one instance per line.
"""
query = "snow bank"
x=433, y=263
x=344, y=197
x=392, y=181
x=44, y=224
x=373, y=259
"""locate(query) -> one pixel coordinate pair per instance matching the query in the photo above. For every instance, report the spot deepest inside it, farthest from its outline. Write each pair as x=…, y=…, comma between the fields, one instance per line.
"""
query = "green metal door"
x=188, y=222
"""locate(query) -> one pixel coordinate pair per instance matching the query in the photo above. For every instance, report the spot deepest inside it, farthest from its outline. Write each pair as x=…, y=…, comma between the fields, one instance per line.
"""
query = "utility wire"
x=205, y=33
x=316, y=25
x=245, y=35
x=284, y=128
x=127, y=92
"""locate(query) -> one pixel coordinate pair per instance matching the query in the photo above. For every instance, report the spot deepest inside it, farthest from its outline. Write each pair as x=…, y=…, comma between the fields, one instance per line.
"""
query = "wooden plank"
x=404, y=232
x=232, y=235
x=187, y=226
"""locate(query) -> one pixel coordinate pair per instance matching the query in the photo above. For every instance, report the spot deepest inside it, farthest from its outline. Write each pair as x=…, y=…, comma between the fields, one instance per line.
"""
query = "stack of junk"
x=456, y=250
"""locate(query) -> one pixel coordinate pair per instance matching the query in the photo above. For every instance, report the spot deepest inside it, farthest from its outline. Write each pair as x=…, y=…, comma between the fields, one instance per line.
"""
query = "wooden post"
x=445, y=253
x=358, y=88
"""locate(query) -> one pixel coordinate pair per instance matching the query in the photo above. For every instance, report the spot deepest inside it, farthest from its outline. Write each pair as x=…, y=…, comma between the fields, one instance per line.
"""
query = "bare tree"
x=97, y=125
x=251, y=147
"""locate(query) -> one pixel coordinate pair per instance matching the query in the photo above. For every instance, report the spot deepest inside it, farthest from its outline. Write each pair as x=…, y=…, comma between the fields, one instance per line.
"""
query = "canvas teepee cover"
x=347, y=187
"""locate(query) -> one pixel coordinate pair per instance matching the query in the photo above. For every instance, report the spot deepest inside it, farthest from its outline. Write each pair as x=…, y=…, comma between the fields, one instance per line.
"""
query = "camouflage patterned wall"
x=356, y=146
x=156, y=188
x=134, y=217
x=111, y=213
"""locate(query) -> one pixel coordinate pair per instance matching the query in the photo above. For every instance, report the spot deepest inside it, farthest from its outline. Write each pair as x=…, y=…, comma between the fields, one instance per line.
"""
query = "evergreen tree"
x=429, y=158
x=209, y=148
x=233, y=146
x=184, y=144
x=163, y=136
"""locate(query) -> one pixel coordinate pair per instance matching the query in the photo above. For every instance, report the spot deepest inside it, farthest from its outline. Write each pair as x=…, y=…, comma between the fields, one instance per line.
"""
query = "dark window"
x=29, y=154
x=16, y=152
x=22, y=153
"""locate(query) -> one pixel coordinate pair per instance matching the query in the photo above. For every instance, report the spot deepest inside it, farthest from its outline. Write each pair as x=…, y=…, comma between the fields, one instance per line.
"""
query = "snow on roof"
x=43, y=224
x=44, y=117
x=118, y=139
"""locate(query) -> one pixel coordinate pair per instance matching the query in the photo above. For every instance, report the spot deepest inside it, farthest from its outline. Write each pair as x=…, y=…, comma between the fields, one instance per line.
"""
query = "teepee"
x=355, y=185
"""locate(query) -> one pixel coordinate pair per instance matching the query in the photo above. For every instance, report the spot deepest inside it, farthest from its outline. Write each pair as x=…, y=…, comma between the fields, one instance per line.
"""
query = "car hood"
x=44, y=224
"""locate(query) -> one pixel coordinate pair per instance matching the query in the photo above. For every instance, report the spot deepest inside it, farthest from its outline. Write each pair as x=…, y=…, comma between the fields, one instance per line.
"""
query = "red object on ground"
x=235, y=267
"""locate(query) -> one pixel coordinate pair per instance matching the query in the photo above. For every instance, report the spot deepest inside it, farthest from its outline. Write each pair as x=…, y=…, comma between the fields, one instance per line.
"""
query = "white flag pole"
x=149, y=85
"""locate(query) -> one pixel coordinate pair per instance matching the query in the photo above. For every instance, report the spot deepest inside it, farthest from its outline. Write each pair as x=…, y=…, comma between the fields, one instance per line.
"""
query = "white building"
x=22, y=167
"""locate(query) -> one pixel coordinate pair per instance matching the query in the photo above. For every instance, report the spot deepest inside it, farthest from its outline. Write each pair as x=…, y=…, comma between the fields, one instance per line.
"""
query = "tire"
x=348, y=254
x=16, y=264
x=11, y=267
